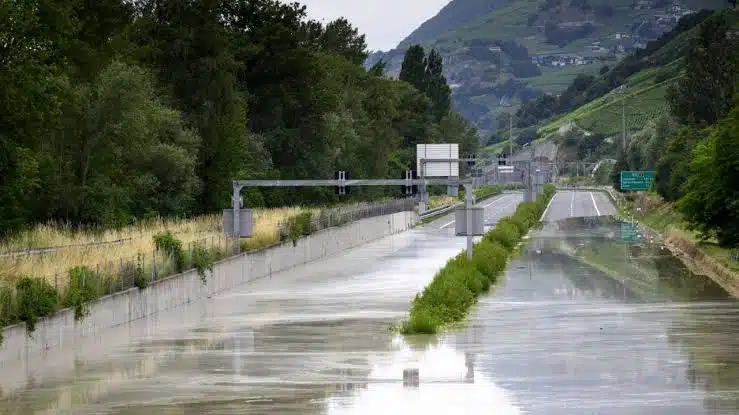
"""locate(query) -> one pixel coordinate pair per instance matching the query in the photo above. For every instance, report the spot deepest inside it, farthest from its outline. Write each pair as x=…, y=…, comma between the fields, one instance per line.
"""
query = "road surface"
x=278, y=345
x=495, y=208
x=579, y=326
x=578, y=204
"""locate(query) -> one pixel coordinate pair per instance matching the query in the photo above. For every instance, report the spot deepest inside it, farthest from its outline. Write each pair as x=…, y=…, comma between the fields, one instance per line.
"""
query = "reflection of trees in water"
x=709, y=338
x=679, y=283
x=288, y=368
x=587, y=281
x=708, y=332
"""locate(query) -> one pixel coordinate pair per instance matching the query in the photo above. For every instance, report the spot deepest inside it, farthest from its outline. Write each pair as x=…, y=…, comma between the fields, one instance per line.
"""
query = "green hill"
x=643, y=98
x=498, y=55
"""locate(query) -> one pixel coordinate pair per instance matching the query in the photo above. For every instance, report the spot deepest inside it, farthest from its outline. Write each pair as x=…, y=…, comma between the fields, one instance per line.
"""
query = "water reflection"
x=449, y=383
x=589, y=325
x=584, y=323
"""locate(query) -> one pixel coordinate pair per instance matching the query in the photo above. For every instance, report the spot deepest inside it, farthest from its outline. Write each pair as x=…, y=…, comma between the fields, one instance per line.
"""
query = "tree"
x=708, y=90
x=190, y=49
x=341, y=38
x=413, y=68
x=436, y=86
x=621, y=165
x=127, y=154
x=378, y=69
x=107, y=118
x=673, y=167
x=711, y=200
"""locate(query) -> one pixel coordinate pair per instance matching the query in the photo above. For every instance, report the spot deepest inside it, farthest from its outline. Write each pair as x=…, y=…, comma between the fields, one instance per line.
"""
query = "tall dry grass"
x=77, y=249
x=443, y=200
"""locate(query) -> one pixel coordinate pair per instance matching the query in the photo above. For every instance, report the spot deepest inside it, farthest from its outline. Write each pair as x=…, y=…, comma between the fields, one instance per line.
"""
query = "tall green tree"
x=378, y=69
x=343, y=39
x=707, y=91
x=673, y=167
x=711, y=200
x=436, y=86
x=190, y=47
x=413, y=68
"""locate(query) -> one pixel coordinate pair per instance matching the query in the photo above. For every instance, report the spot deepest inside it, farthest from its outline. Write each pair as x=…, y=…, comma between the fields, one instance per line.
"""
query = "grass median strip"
x=457, y=286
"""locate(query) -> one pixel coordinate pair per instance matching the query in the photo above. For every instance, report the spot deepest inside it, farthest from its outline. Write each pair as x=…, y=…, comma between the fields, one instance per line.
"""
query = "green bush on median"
x=456, y=287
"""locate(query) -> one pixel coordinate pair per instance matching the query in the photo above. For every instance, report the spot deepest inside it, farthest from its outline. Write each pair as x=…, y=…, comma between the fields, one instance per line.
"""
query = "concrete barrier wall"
x=61, y=330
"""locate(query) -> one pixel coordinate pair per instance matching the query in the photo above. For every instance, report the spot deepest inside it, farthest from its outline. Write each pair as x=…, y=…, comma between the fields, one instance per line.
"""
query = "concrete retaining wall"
x=61, y=330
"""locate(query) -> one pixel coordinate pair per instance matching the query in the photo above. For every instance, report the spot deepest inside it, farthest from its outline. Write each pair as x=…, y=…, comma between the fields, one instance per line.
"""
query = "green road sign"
x=628, y=232
x=636, y=180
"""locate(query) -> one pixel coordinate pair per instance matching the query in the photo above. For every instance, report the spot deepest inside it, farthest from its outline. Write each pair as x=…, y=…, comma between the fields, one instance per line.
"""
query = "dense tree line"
x=695, y=152
x=114, y=110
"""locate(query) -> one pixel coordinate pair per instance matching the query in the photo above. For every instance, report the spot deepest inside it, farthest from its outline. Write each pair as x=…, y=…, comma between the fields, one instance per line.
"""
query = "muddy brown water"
x=583, y=324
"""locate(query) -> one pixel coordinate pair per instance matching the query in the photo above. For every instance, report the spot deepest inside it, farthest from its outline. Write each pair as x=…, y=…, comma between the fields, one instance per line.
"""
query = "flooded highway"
x=584, y=323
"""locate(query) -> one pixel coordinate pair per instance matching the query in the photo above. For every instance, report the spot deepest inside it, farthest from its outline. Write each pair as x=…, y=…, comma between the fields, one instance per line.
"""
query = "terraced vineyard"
x=645, y=100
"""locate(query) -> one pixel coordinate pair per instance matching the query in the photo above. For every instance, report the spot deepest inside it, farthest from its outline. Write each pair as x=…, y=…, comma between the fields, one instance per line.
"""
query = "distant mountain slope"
x=497, y=60
x=648, y=74
x=449, y=18
x=592, y=130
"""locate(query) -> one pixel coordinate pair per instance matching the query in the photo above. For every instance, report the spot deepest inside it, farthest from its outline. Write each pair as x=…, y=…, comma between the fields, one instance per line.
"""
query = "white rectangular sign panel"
x=245, y=222
x=438, y=152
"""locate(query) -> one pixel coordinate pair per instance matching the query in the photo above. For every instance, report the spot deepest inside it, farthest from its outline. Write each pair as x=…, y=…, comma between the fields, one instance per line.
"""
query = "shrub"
x=141, y=279
x=202, y=261
x=490, y=259
x=456, y=287
x=36, y=298
x=172, y=247
x=299, y=225
x=505, y=233
x=83, y=287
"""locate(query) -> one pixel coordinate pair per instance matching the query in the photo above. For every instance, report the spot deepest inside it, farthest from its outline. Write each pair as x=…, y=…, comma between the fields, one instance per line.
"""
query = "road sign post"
x=638, y=181
x=628, y=232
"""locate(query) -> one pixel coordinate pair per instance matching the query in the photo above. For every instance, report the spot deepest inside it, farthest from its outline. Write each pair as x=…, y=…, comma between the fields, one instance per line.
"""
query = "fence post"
x=109, y=269
x=56, y=280
x=153, y=265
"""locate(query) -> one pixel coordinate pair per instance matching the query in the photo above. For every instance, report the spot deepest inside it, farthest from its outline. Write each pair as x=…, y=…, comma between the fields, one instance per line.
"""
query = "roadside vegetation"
x=116, y=129
x=457, y=286
x=651, y=210
x=79, y=275
x=695, y=151
x=142, y=117
x=681, y=99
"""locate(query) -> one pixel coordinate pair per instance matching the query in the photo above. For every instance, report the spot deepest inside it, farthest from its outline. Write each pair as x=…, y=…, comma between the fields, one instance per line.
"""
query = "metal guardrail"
x=448, y=208
x=438, y=211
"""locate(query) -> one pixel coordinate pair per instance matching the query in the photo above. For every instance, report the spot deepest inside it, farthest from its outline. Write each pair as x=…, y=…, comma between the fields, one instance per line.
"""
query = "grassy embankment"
x=82, y=266
x=456, y=287
x=664, y=219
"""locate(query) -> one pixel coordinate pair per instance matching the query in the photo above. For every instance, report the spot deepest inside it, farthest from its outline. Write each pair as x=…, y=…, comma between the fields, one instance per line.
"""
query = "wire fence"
x=343, y=215
x=139, y=271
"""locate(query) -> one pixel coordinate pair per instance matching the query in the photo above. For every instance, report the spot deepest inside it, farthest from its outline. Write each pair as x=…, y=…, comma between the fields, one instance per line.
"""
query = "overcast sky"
x=383, y=22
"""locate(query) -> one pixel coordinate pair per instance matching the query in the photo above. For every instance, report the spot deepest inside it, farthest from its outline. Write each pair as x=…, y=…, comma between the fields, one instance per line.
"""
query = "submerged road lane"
x=574, y=204
x=585, y=325
x=599, y=326
x=294, y=343
x=495, y=208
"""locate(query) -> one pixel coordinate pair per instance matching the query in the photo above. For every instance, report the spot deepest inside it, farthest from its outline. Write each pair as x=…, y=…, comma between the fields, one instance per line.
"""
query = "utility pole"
x=623, y=119
x=510, y=136
x=468, y=206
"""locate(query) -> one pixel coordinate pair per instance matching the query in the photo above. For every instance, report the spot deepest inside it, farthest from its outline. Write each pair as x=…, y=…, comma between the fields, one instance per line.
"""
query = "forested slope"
x=113, y=110
x=689, y=81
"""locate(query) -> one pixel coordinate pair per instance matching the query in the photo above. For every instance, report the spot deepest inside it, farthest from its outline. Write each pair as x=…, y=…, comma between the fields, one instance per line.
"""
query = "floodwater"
x=583, y=324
